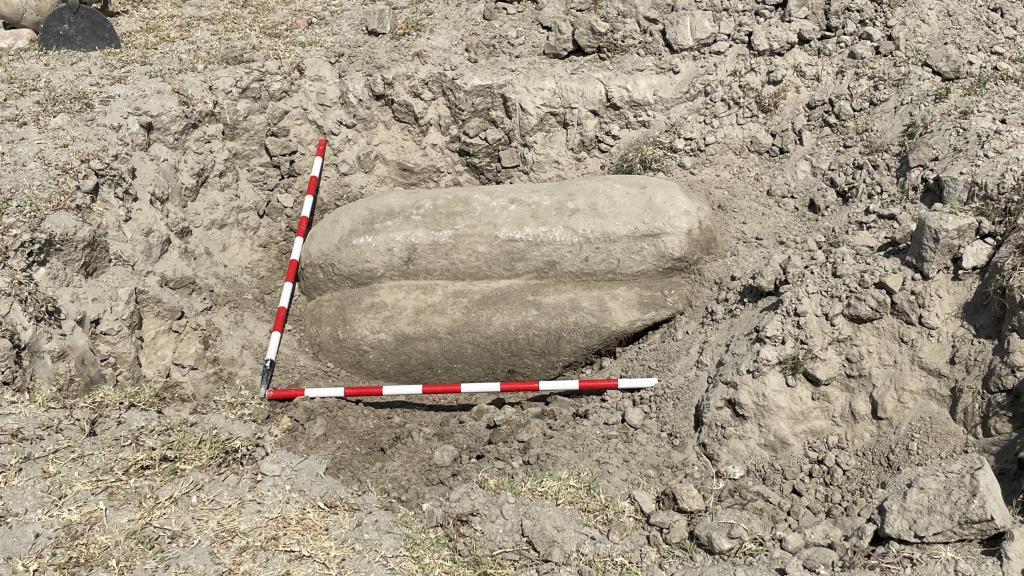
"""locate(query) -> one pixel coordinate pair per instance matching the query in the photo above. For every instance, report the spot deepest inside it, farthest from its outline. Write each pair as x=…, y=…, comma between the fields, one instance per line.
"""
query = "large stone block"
x=949, y=501
x=600, y=228
x=499, y=282
x=412, y=332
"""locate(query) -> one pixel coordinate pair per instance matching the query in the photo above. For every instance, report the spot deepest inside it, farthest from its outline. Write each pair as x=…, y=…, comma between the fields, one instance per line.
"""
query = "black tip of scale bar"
x=265, y=376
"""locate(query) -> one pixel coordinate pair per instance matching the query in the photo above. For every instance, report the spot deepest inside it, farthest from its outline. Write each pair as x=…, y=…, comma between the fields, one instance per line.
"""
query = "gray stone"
x=644, y=502
x=546, y=539
x=683, y=497
x=604, y=228
x=862, y=50
x=867, y=306
x=18, y=38
x=559, y=42
x=591, y=33
x=812, y=10
x=444, y=455
x=947, y=62
x=824, y=369
x=509, y=158
x=891, y=283
x=633, y=416
x=26, y=13
x=8, y=368
x=690, y=28
x=976, y=255
x=664, y=519
x=952, y=500
x=792, y=542
x=678, y=532
x=719, y=537
x=1012, y=552
x=379, y=20
x=467, y=331
x=938, y=238
x=818, y=560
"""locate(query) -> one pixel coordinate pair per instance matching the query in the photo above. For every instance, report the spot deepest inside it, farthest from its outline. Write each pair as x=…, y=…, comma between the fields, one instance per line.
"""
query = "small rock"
x=689, y=28
x=444, y=455
x=947, y=62
x=8, y=368
x=591, y=33
x=270, y=468
x=559, y=42
x=678, y=532
x=285, y=200
x=952, y=500
x=17, y=38
x=976, y=255
x=823, y=370
x=891, y=283
x=634, y=417
x=792, y=542
x=644, y=501
x=867, y=306
x=862, y=50
x=1012, y=552
x=818, y=560
x=509, y=158
x=302, y=23
x=683, y=497
x=938, y=238
x=719, y=537
x=379, y=21
x=664, y=519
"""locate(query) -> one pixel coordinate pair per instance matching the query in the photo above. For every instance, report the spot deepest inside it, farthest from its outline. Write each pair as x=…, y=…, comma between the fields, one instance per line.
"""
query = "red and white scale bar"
x=462, y=388
x=392, y=389
x=293, y=268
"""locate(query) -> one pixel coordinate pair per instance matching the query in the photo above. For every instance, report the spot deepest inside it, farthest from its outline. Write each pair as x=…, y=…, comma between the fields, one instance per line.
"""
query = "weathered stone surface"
x=517, y=281
x=559, y=42
x=8, y=367
x=867, y=306
x=470, y=331
x=813, y=10
x=683, y=497
x=689, y=29
x=379, y=20
x=938, y=238
x=947, y=62
x=645, y=503
x=720, y=537
x=18, y=38
x=976, y=255
x=952, y=500
x=26, y=13
x=600, y=228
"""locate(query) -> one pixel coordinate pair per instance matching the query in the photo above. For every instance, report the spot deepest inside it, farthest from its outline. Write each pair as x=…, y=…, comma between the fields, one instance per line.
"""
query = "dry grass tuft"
x=152, y=494
x=771, y=102
x=427, y=552
x=645, y=156
x=575, y=488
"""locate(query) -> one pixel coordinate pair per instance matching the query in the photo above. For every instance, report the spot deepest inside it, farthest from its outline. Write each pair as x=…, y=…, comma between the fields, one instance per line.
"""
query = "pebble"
x=633, y=416
x=444, y=455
